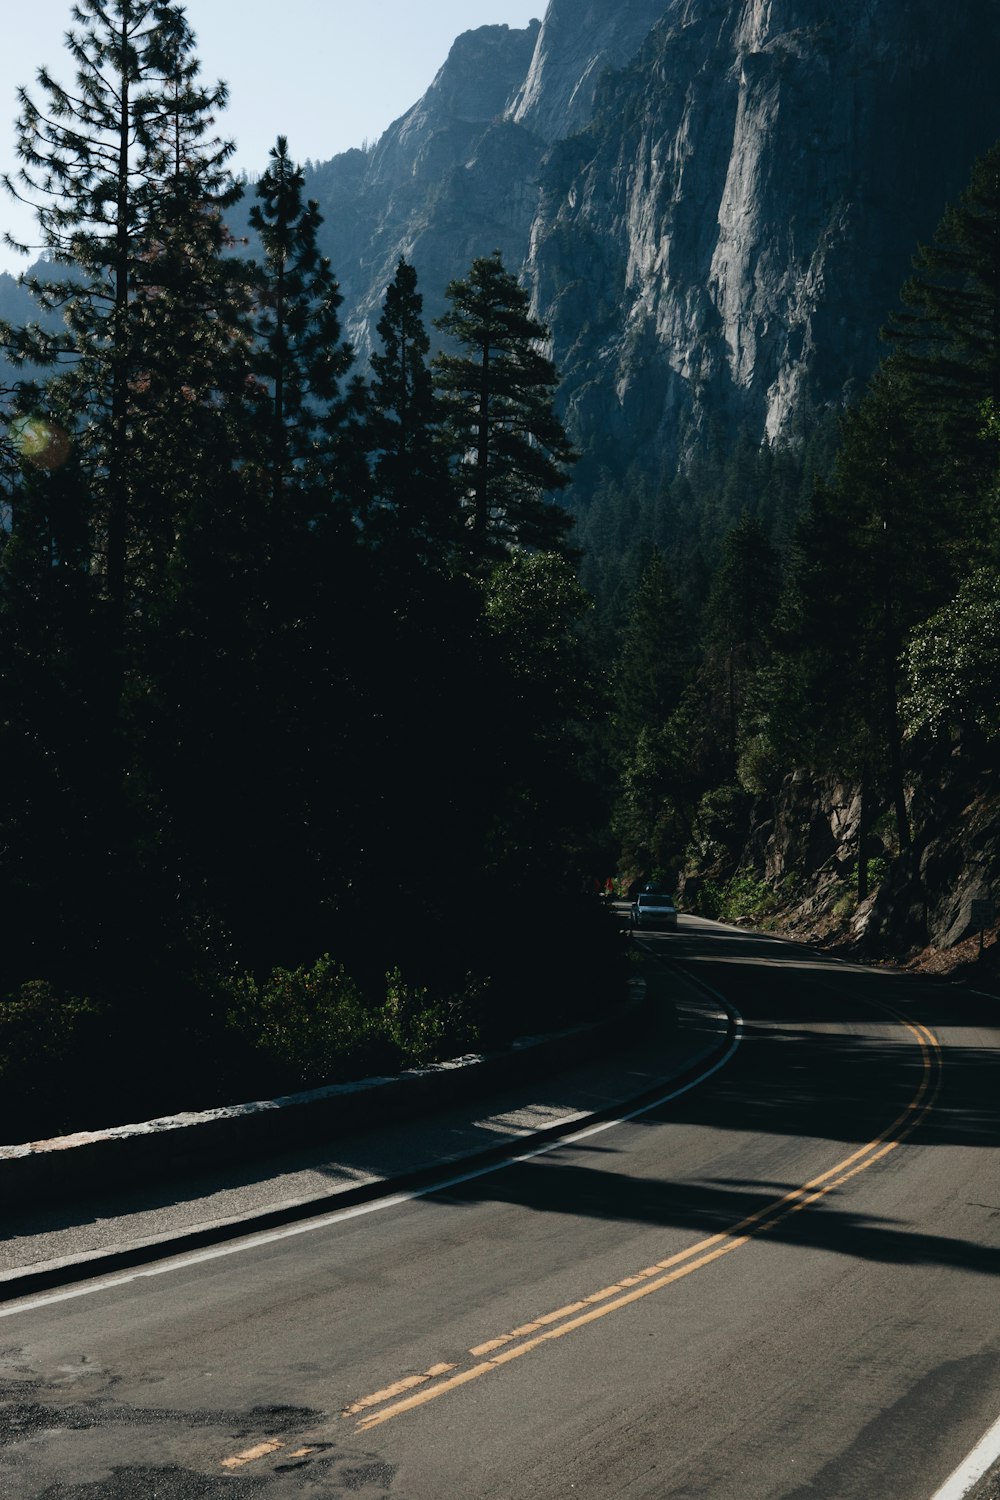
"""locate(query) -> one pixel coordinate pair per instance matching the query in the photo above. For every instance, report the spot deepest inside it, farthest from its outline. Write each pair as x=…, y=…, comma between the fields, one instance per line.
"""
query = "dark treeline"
x=294, y=700
x=831, y=608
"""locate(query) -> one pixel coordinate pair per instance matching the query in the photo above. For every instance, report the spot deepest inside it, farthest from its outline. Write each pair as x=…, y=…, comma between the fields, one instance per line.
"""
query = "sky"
x=328, y=74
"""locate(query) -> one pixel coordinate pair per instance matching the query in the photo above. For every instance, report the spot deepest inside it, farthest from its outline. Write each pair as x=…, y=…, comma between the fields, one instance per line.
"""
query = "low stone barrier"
x=72, y=1166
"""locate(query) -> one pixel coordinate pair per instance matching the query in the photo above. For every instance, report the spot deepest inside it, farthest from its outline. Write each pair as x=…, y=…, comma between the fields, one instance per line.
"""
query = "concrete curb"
x=73, y=1166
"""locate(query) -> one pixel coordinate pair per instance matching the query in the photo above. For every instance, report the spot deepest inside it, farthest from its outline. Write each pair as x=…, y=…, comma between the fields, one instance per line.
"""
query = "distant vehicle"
x=652, y=907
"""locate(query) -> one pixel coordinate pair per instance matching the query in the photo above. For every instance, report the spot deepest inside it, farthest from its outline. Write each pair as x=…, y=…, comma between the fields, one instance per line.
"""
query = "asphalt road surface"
x=784, y=1283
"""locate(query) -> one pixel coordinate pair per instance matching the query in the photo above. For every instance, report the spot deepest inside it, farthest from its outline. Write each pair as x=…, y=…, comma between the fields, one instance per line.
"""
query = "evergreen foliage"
x=97, y=166
x=292, y=666
x=838, y=629
x=259, y=700
x=501, y=422
x=654, y=657
x=739, y=612
x=417, y=506
x=946, y=338
x=652, y=815
x=298, y=354
x=952, y=664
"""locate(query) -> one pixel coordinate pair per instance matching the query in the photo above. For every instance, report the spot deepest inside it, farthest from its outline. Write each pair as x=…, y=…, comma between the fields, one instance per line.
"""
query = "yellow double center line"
x=439, y=1381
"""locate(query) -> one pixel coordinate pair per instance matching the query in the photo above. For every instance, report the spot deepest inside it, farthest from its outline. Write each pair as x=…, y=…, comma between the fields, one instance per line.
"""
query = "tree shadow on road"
x=721, y=1206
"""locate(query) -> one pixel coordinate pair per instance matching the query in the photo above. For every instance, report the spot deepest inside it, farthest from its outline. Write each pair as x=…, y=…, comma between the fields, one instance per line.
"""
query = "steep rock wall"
x=803, y=843
x=714, y=229
x=579, y=41
x=453, y=178
x=749, y=195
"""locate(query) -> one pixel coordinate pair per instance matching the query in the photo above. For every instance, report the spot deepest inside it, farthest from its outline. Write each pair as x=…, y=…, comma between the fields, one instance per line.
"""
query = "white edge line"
x=253, y=1241
x=983, y=1455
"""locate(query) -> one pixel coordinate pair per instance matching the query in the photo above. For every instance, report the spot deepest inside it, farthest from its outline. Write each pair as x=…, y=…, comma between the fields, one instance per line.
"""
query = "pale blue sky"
x=326, y=73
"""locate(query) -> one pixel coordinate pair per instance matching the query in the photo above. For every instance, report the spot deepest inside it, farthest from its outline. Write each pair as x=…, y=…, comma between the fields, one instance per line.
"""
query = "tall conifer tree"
x=653, y=659
x=417, y=513
x=740, y=609
x=312, y=438
x=498, y=398
x=94, y=161
x=192, y=406
x=946, y=339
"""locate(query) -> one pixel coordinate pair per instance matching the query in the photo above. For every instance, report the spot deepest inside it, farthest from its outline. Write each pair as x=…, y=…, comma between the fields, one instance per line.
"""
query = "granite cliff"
x=714, y=201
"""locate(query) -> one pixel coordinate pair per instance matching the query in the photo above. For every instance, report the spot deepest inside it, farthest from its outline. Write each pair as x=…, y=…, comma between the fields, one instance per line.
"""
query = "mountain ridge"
x=722, y=222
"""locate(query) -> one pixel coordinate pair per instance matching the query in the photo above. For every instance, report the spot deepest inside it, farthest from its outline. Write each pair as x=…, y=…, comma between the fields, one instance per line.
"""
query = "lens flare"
x=40, y=441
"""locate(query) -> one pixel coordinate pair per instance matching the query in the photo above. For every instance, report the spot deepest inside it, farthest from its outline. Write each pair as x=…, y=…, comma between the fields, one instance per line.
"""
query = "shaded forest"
x=825, y=610
x=294, y=694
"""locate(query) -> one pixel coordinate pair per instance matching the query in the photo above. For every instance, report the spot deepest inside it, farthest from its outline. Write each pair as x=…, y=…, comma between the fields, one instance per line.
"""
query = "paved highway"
x=783, y=1283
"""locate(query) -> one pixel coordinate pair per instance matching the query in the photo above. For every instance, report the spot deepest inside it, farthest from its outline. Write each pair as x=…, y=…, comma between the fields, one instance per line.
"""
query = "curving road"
x=783, y=1283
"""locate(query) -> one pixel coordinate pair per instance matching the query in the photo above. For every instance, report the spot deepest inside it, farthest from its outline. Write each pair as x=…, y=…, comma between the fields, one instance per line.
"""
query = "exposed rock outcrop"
x=956, y=817
x=804, y=842
x=453, y=178
x=579, y=41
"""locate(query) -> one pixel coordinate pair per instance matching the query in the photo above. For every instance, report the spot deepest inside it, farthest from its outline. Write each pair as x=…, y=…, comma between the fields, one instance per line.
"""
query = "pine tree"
x=654, y=657
x=870, y=559
x=498, y=398
x=416, y=515
x=128, y=189
x=192, y=403
x=946, y=339
x=649, y=678
x=738, y=616
x=300, y=355
x=93, y=164
x=544, y=694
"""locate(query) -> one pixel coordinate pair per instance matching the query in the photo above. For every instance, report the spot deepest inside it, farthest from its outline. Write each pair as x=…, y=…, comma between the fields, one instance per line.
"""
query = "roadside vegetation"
x=825, y=611
x=296, y=714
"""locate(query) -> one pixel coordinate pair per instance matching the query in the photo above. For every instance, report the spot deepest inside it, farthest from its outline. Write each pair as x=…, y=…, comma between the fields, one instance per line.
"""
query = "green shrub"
x=719, y=826
x=710, y=900
x=39, y=1028
x=425, y=1030
x=878, y=873
x=311, y=1024
x=761, y=767
x=47, y=1044
x=747, y=897
x=743, y=898
x=845, y=906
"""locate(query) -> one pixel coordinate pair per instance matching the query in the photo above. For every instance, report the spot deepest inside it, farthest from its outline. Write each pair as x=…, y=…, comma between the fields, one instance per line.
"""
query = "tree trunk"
x=481, y=514
x=863, y=822
x=117, y=464
x=897, y=790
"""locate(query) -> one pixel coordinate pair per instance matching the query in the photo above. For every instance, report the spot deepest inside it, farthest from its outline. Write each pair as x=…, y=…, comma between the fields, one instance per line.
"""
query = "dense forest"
x=326, y=704
x=295, y=703
x=826, y=609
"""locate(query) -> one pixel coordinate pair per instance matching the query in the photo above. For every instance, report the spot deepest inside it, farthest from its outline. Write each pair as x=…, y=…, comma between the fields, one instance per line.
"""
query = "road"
x=784, y=1283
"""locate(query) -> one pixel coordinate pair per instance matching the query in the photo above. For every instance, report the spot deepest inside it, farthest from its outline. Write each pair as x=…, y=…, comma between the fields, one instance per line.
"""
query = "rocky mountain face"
x=714, y=201
x=804, y=842
x=454, y=178
x=578, y=42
